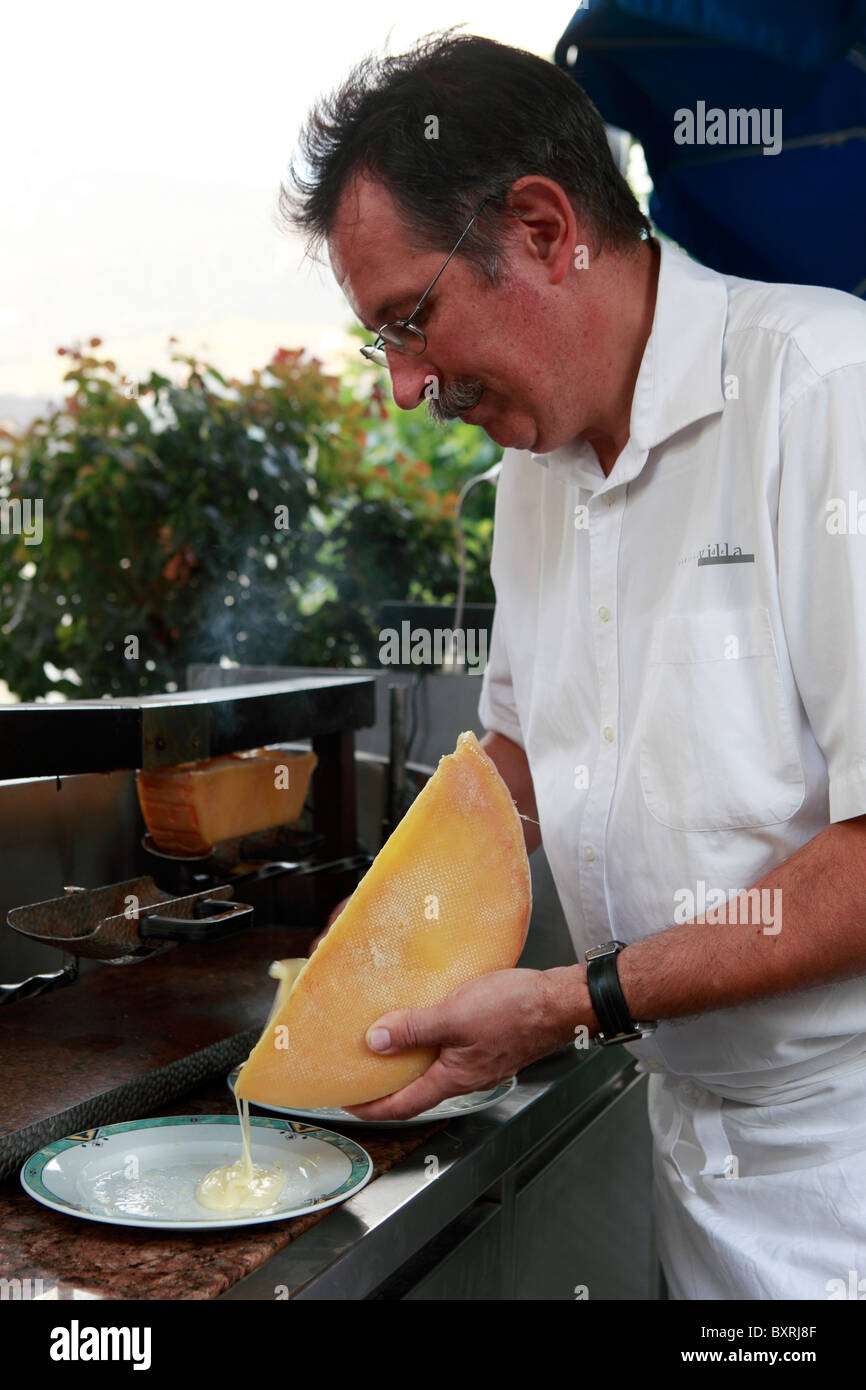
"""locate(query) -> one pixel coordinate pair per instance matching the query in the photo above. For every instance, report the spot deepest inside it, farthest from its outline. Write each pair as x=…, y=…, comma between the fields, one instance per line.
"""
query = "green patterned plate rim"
x=32, y=1172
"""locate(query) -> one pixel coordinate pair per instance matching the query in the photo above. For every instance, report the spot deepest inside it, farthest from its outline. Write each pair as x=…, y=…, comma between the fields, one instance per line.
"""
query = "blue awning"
x=680, y=76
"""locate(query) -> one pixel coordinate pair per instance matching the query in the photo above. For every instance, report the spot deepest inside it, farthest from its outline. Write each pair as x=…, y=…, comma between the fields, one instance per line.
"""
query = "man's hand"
x=488, y=1029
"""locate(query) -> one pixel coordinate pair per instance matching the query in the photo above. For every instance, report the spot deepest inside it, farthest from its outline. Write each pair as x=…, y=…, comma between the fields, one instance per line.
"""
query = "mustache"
x=454, y=400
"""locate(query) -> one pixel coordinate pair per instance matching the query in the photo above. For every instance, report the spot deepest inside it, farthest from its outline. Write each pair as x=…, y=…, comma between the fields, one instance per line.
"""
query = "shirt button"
x=608, y=733
x=589, y=852
x=604, y=613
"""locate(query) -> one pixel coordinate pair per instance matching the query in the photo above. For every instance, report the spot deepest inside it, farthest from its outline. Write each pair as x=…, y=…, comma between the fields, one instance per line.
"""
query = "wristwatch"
x=605, y=991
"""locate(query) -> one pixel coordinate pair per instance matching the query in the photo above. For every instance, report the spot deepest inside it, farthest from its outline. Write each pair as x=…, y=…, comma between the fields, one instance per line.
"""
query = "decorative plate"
x=446, y=1109
x=145, y=1172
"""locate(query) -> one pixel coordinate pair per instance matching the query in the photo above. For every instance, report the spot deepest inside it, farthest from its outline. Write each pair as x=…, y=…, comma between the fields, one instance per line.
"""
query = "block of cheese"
x=191, y=807
x=447, y=898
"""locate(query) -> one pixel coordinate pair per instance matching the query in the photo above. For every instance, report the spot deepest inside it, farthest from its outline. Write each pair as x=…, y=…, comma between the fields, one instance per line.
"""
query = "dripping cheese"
x=242, y=1186
x=447, y=898
x=191, y=807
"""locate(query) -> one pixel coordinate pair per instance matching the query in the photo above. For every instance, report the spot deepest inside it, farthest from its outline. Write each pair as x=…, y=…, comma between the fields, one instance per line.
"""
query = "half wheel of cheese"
x=447, y=898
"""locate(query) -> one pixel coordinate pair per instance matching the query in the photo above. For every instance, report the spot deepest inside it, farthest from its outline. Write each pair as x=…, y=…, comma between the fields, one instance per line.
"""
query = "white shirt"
x=687, y=670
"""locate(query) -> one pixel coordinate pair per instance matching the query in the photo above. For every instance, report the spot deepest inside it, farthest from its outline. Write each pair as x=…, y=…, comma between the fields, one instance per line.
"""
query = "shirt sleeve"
x=497, y=709
x=822, y=572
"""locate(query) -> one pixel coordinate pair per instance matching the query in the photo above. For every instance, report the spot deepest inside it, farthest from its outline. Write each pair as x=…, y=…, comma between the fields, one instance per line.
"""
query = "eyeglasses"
x=402, y=334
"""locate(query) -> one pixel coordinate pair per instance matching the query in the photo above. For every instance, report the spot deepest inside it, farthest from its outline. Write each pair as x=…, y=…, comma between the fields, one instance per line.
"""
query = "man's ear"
x=548, y=229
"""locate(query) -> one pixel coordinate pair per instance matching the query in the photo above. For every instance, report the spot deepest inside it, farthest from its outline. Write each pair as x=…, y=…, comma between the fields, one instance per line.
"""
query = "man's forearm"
x=512, y=765
x=694, y=967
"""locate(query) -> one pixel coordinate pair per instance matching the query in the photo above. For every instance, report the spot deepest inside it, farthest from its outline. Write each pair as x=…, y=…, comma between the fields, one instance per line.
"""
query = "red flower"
x=178, y=568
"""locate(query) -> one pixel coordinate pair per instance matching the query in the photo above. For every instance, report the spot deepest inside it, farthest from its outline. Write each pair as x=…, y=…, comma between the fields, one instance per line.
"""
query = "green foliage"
x=161, y=521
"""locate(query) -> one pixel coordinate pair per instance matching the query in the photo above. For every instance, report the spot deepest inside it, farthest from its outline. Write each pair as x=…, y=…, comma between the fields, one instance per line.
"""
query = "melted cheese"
x=244, y=1186
x=285, y=972
x=448, y=898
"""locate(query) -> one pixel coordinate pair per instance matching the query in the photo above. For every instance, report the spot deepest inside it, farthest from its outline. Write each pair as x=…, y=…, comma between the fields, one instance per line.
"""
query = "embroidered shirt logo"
x=719, y=553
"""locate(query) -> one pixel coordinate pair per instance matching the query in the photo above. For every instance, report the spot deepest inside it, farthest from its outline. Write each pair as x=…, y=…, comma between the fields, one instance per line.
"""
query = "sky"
x=142, y=155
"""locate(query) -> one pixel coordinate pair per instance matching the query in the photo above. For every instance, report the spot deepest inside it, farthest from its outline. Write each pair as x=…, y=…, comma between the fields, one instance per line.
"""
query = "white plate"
x=145, y=1172
x=469, y=1104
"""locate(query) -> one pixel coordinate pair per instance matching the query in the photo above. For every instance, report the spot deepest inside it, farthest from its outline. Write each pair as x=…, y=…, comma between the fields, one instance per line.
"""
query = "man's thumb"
x=401, y=1030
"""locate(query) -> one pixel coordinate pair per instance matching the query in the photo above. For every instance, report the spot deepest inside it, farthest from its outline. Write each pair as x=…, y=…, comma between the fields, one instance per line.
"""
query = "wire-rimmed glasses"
x=403, y=335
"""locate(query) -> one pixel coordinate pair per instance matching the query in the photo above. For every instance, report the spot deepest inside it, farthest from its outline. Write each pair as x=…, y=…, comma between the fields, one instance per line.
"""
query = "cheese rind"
x=192, y=807
x=448, y=898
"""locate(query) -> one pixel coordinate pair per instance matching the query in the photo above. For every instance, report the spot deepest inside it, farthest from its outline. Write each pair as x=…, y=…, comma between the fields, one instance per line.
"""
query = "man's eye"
x=423, y=313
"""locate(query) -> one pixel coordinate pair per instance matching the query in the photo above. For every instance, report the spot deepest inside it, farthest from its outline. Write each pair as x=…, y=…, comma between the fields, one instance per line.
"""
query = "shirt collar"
x=680, y=378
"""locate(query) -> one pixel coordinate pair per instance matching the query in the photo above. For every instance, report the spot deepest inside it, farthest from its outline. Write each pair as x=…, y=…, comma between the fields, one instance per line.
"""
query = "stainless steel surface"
x=160, y=730
x=582, y=1221
x=467, y=1263
x=87, y=832
x=446, y=705
x=570, y=1222
x=365, y=1241
x=250, y=716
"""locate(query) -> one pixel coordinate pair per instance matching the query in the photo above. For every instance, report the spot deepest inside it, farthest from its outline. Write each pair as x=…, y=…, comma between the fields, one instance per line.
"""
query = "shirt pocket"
x=717, y=748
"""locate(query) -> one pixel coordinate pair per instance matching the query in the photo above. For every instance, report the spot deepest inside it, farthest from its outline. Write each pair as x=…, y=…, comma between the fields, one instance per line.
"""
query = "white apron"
x=762, y=1198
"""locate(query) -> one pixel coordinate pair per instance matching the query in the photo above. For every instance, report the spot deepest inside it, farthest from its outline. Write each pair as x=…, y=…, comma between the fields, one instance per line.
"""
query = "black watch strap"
x=602, y=977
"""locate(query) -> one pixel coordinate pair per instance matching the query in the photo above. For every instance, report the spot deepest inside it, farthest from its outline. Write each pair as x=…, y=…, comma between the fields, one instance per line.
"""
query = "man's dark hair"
x=502, y=113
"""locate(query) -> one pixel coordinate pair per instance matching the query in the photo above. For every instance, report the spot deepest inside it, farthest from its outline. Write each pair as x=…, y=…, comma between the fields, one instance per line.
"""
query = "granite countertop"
x=75, y=1258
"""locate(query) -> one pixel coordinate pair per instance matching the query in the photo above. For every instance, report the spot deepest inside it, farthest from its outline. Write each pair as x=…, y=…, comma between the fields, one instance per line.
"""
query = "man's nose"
x=410, y=377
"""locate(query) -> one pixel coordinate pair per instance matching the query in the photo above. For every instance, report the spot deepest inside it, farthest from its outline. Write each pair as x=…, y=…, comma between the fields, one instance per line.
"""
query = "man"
x=678, y=668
